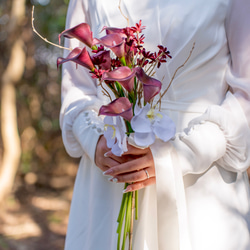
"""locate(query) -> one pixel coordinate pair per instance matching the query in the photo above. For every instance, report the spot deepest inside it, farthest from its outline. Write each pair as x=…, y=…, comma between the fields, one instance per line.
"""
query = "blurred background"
x=36, y=174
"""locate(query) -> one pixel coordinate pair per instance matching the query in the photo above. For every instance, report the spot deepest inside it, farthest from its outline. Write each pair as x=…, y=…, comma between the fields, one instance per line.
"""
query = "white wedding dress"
x=201, y=198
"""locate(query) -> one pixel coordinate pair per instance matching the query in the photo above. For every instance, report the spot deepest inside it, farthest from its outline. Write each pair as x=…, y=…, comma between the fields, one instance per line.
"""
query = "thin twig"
x=43, y=38
x=104, y=91
x=172, y=79
x=119, y=7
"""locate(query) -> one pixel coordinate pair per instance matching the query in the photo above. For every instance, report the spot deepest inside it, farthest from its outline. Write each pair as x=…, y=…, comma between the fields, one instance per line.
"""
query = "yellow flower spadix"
x=151, y=115
x=111, y=126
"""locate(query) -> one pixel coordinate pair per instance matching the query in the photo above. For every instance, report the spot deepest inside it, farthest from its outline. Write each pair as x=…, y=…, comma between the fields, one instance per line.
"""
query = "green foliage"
x=3, y=243
x=38, y=94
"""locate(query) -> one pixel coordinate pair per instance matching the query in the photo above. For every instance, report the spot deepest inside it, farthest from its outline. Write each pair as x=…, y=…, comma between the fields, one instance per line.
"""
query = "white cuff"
x=198, y=148
x=87, y=129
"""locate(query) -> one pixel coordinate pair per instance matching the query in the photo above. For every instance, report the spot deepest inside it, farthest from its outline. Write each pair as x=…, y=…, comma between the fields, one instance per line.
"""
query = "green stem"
x=119, y=89
x=122, y=204
x=131, y=227
x=127, y=220
x=136, y=204
x=129, y=128
x=123, y=61
x=121, y=219
x=94, y=47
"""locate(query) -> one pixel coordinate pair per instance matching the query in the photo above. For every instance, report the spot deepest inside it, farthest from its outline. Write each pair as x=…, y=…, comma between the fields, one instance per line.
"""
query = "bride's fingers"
x=136, y=151
x=131, y=166
x=106, y=163
x=131, y=153
x=137, y=176
x=120, y=159
x=140, y=185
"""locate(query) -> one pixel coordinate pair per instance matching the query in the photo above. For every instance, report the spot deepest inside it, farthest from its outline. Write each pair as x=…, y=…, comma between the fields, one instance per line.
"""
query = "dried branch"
x=43, y=38
x=119, y=7
x=172, y=79
x=104, y=91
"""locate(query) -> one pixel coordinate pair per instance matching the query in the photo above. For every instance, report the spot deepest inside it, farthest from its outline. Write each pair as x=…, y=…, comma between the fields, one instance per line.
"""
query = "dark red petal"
x=151, y=86
x=113, y=41
x=105, y=59
x=79, y=56
x=82, y=32
x=120, y=106
x=112, y=30
x=124, y=75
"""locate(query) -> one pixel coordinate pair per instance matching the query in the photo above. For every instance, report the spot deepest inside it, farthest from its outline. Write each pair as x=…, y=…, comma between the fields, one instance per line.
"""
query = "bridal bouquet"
x=125, y=72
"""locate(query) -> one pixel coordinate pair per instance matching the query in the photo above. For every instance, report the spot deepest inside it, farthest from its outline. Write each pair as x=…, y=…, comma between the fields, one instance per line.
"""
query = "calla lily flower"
x=149, y=123
x=103, y=59
x=79, y=56
x=115, y=42
x=151, y=86
x=82, y=32
x=124, y=75
x=119, y=107
x=115, y=134
x=113, y=30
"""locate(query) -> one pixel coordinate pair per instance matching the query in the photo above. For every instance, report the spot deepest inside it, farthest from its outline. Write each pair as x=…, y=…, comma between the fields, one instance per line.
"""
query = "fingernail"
x=107, y=154
x=108, y=172
x=128, y=189
x=113, y=179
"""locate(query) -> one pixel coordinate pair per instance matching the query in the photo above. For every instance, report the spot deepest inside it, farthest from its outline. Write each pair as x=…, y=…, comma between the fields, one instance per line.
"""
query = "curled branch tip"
x=120, y=9
x=43, y=38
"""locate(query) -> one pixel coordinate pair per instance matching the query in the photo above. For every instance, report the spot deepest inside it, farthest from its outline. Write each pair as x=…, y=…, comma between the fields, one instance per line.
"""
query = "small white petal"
x=144, y=139
x=165, y=134
x=131, y=141
x=141, y=124
x=116, y=150
x=165, y=128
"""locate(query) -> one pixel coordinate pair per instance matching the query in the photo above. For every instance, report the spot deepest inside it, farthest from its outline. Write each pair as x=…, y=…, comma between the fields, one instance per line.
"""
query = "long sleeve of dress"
x=81, y=127
x=222, y=134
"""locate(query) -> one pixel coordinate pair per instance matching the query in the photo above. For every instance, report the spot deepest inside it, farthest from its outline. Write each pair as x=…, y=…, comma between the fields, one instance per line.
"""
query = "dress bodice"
x=178, y=25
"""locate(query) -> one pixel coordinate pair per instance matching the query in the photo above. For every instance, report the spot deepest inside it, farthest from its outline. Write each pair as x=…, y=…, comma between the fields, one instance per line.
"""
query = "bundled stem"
x=128, y=212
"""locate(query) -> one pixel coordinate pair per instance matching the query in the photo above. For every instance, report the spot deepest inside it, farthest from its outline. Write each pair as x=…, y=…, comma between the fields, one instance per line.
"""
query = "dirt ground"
x=35, y=215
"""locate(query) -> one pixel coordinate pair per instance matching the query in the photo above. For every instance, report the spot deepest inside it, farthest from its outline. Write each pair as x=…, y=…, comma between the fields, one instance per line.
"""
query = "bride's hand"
x=136, y=167
x=101, y=161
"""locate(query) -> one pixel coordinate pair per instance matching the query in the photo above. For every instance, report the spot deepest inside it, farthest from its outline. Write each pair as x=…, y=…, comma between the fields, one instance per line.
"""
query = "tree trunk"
x=11, y=75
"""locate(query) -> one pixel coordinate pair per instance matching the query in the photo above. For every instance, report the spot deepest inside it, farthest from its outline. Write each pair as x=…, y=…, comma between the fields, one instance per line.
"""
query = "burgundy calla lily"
x=79, y=56
x=124, y=75
x=82, y=32
x=115, y=42
x=103, y=59
x=151, y=86
x=120, y=106
x=112, y=30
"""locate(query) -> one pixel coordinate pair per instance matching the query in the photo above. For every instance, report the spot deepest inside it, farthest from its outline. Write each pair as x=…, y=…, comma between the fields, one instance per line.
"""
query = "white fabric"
x=201, y=198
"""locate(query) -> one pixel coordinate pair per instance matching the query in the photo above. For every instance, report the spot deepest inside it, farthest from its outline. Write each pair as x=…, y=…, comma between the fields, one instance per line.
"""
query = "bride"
x=193, y=190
